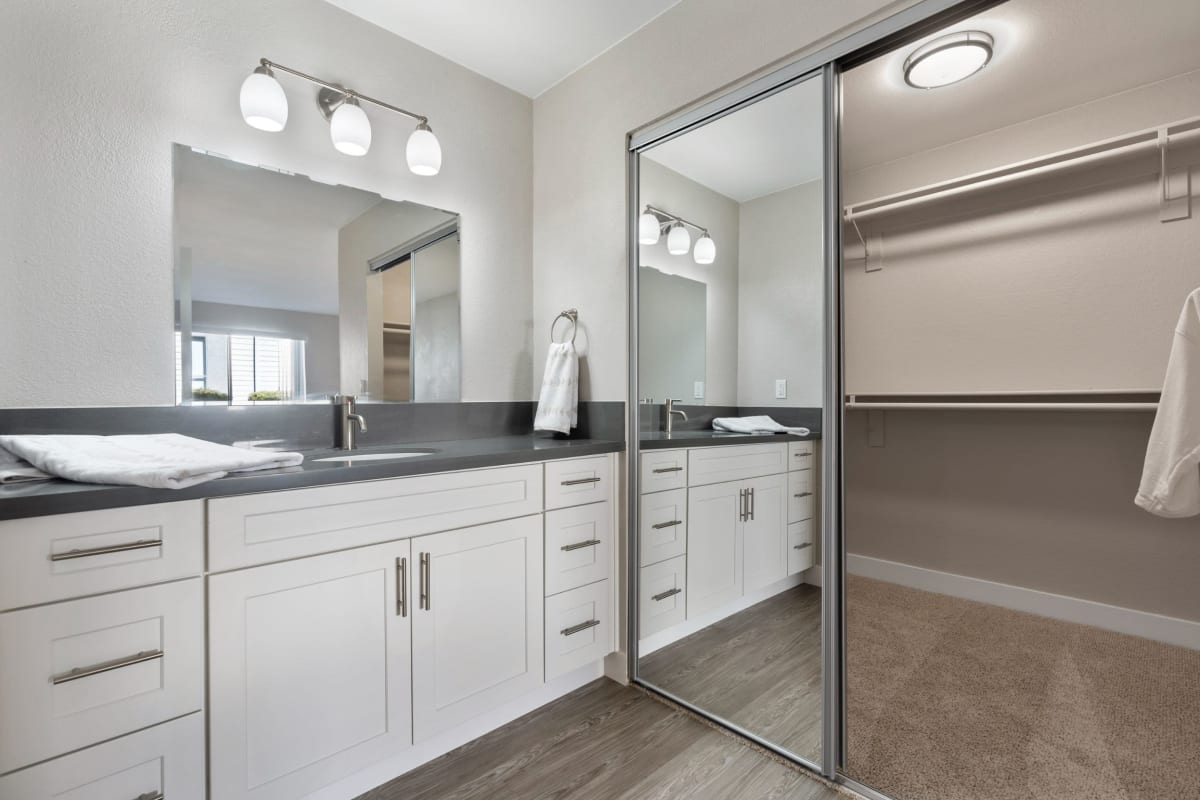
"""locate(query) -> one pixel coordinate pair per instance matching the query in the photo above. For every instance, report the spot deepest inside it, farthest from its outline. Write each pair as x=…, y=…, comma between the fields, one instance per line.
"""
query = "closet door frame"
x=825, y=65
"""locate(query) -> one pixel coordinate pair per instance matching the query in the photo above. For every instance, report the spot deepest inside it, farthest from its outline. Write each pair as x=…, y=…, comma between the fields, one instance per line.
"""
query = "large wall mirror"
x=289, y=290
x=730, y=289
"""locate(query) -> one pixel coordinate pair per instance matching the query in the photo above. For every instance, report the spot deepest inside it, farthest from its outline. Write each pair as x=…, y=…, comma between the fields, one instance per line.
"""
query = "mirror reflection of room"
x=730, y=295
x=291, y=290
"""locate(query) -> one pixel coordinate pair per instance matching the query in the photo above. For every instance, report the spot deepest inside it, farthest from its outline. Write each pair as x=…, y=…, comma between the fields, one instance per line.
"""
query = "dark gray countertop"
x=661, y=440
x=62, y=497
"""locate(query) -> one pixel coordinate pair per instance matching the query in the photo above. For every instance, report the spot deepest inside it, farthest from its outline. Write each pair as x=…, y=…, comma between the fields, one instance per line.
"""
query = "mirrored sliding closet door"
x=730, y=332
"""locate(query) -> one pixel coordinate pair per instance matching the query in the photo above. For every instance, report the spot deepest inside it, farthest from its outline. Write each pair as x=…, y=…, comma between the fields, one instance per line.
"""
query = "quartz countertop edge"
x=661, y=440
x=44, y=498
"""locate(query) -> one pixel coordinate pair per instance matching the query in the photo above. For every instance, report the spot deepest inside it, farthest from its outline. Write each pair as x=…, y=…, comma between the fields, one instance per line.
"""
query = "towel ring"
x=571, y=316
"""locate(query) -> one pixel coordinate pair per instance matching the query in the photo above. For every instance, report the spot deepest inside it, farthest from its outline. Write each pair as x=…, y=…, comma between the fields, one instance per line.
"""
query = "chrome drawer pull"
x=802, y=455
x=801, y=546
x=106, y=666
x=150, y=796
x=583, y=626
x=140, y=544
x=666, y=594
x=402, y=587
x=661, y=470
x=803, y=494
x=658, y=526
x=578, y=481
x=425, y=592
x=580, y=545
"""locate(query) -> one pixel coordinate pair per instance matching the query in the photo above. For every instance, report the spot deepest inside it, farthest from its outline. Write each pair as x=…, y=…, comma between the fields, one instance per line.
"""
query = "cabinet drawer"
x=578, y=546
x=662, y=596
x=802, y=546
x=579, y=628
x=259, y=528
x=801, y=495
x=801, y=455
x=164, y=761
x=662, y=526
x=79, y=672
x=576, y=481
x=662, y=470
x=44, y=559
x=735, y=462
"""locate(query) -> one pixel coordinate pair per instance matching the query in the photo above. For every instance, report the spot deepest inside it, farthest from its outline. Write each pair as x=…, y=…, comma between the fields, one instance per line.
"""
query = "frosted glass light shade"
x=264, y=105
x=649, y=229
x=706, y=250
x=948, y=59
x=423, y=151
x=679, y=241
x=350, y=130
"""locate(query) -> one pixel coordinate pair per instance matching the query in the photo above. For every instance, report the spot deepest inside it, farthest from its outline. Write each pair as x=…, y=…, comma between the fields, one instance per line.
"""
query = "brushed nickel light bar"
x=654, y=220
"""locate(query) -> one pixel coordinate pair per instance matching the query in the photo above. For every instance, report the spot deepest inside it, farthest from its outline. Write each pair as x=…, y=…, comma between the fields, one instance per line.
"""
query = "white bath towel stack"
x=558, y=403
x=18, y=470
x=1171, y=475
x=158, y=461
x=759, y=424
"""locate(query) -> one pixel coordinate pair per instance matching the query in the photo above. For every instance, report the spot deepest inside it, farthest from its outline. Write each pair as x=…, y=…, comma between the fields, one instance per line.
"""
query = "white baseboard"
x=419, y=754
x=1157, y=627
x=686, y=628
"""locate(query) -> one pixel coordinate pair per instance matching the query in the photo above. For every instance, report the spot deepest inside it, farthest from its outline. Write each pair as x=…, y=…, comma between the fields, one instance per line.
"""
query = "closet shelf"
x=1058, y=400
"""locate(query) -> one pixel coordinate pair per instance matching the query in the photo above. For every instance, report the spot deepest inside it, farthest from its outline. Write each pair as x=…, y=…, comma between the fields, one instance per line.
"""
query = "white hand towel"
x=1171, y=475
x=558, y=404
x=760, y=424
x=17, y=470
x=158, y=461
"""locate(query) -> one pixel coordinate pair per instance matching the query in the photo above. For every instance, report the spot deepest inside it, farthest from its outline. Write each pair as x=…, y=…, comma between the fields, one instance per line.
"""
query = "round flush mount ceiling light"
x=350, y=129
x=649, y=228
x=948, y=59
x=679, y=241
x=705, y=251
x=264, y=105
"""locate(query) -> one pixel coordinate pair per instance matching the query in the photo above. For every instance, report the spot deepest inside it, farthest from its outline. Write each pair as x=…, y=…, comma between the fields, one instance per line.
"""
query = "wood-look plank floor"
x=604, y=742
x=759, y=668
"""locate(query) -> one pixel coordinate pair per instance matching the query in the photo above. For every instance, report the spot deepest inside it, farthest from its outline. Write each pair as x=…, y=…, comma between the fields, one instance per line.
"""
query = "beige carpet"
x=949, y=699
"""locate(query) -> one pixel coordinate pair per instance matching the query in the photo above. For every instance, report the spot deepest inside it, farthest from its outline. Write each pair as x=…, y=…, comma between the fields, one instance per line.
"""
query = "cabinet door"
x=310, y=671
x=477, y=623
x=764, y=533
x=714, y=547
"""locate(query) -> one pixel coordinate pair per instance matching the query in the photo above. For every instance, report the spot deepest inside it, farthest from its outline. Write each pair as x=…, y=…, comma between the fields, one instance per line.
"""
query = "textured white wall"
x=85, y=216
x=580, y=125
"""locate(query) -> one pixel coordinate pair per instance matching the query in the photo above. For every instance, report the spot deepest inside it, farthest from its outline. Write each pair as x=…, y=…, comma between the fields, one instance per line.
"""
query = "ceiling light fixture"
x=264, y=106
x=948, y=59
x=653, y=221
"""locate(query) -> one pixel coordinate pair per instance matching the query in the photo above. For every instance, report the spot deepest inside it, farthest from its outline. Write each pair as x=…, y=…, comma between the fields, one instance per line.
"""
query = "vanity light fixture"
x=264, y=106
x=948, y=59
x=653, y=221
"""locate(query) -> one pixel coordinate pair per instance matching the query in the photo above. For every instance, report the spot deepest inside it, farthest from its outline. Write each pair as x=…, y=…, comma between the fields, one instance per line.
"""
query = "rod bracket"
x=1175, y=185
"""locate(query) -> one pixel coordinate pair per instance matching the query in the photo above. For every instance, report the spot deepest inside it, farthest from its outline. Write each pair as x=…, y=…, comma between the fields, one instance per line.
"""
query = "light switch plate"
x=781, y=389
x=698, y=390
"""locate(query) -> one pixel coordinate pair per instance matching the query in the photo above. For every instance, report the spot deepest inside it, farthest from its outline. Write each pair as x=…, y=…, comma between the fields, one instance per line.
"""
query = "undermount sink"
x=352, y=457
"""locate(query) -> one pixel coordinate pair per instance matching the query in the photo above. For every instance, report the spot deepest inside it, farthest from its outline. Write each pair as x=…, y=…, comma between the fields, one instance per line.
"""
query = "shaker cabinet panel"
x=310, y=671
x=663, y=469
x=575, y=481
x=578, y=546
x=662, y=596
x=662, y=526
x=735, y=462
x=477, y=621
x=764, y=533
x=714, y=546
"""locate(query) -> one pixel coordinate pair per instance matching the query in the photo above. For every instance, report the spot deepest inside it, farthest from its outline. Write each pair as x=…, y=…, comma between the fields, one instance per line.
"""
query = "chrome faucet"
x=671, y=412
x=347, y=420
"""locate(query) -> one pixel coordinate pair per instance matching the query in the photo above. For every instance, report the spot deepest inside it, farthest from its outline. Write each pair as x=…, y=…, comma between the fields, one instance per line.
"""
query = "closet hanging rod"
x=1151, y=138
x=1035, y=400
x=1098, y=406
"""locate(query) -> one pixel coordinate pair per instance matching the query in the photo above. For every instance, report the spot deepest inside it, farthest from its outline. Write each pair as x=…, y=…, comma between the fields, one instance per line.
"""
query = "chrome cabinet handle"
x=149, y=796
x=660, y=470
x=580, y=545
x=579, y=481
x=742, y=505
x=802, y=455
x=583, y=626
x=658, y=526
x=402, y=587
x=423, y=601
x=106, y=666
x=801, y=546
x=666, y=594
x=140, y=544
x=803, y=494
x=750, y=492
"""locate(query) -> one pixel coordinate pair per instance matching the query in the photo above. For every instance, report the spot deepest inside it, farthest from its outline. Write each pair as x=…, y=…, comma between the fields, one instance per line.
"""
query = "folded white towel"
x=159, y=461
x=761, y=424
x=1171, y=474
x=559, y=400
x=18, y=470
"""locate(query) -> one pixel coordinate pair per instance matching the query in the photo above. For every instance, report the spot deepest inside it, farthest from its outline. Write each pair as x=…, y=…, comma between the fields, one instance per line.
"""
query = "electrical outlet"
x=698, y=390
x=781, y=389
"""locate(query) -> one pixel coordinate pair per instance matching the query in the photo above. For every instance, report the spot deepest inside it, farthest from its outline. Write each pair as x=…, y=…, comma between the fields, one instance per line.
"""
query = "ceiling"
x=526, y=45
x=771, y=145
x=1048, y=56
